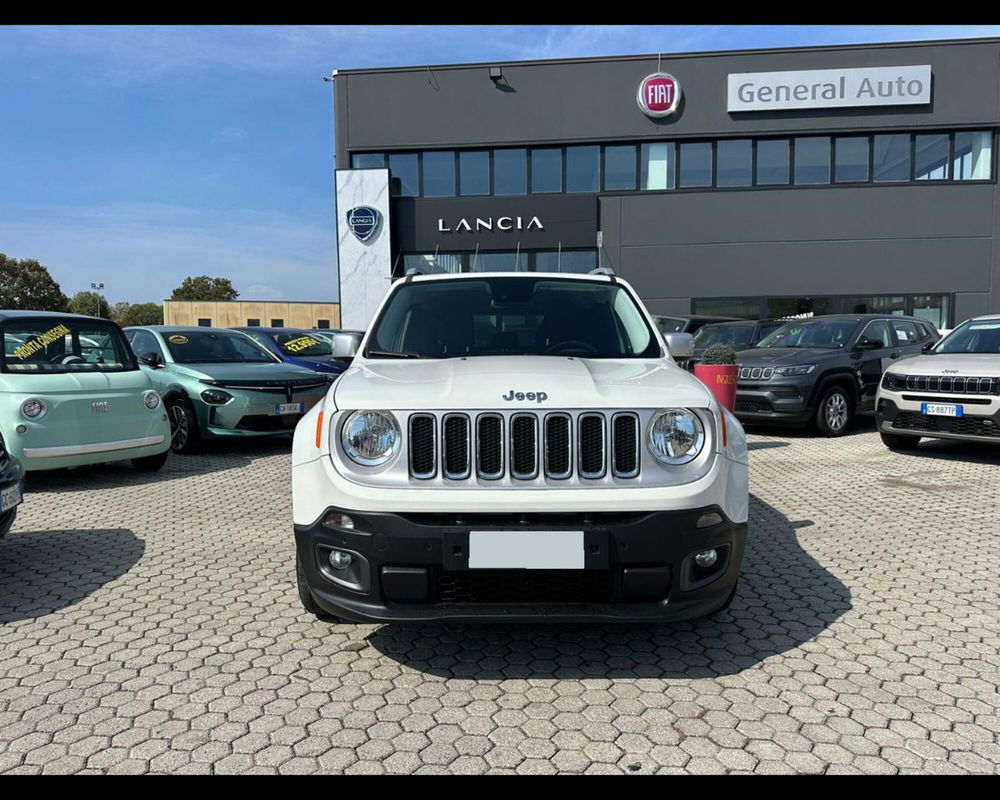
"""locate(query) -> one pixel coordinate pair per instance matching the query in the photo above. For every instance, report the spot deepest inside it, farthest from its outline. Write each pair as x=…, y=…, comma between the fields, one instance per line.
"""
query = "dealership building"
x=756, y=183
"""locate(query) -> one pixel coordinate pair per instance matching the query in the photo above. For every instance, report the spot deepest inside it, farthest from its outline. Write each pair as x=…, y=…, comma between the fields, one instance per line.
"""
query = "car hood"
x=485, y=382
x=975, y=365
x=242, y=372
x=782, y=356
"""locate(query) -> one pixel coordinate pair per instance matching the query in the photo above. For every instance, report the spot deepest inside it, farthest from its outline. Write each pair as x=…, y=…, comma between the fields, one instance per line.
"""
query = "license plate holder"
x=10, y=496
x=941, y=409
x=455, y=545
x=289, y=408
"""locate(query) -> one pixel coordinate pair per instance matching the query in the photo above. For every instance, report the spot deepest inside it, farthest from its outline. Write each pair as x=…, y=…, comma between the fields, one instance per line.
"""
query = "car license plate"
x=940, y=410
x=526, y=550
x=289, y=408
x=10, y=496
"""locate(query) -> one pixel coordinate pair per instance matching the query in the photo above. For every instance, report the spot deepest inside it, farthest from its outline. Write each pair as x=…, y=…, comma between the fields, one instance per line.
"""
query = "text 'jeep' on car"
x=517, y=447
x=952, y=392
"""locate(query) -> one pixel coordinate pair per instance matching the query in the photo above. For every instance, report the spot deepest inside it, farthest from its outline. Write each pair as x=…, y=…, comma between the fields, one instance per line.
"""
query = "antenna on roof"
x=603, y=271
x=517, y=255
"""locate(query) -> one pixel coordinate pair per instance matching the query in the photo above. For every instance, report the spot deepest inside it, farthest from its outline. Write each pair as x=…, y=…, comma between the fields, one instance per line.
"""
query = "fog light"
x=704, y=559
x=709, y=519
x=337, y=520
x=21, y=429
x=341, y=560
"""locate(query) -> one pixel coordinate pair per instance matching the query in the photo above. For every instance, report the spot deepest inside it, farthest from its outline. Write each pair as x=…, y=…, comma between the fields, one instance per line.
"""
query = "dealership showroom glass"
x=760, y=183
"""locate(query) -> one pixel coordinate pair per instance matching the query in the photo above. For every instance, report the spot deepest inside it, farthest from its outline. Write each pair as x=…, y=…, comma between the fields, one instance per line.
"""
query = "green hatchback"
x=220, y=383
x=72, y=393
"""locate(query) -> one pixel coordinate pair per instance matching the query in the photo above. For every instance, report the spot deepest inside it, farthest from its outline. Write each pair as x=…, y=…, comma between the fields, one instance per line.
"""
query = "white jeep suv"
x=517, y=446
x=950, y=392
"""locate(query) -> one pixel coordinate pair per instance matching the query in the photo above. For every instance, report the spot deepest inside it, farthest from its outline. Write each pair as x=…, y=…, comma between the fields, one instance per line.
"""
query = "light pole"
x=98, y=287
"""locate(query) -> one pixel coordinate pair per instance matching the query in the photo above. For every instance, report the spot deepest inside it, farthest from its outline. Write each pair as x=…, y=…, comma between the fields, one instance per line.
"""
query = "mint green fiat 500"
x=72, y=393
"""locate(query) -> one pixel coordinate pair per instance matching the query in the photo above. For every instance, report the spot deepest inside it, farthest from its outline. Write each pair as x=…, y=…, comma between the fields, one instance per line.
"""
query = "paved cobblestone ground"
x=151, y=624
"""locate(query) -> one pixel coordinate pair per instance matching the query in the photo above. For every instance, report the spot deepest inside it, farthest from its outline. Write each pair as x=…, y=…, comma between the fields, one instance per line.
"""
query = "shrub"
x=718, y=354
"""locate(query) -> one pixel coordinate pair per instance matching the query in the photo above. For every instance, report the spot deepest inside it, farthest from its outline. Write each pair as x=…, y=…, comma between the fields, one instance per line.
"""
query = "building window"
x=933, y=308
x=439, y=173
x=891, y=158
x=204, y=322
x=368, y=161
x=696, y=164
x=744, y=307
x=773, y=157
x=474, y=172
x=253, y=322
x=812, y=159
x=583, y=168
x=430, y=263
x=277, y=322
x=323, y=324
x=619, y=167
x=972, y=159
x=851, y=159
x=565, y=261
x=510, y=171
x=734, y=162
x=499, y=262
x=405, y=171
x=930, y=159
x=656, y=161
x=546, y=170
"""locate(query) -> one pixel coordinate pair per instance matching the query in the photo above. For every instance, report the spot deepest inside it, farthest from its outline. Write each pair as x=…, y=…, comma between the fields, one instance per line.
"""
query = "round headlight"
x=370, y=438
x=151, y=400
x=676, y=436
x=33, y=408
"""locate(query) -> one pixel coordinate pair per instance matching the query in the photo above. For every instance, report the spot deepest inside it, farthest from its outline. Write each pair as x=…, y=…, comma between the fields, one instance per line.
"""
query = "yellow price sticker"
x=302, y=343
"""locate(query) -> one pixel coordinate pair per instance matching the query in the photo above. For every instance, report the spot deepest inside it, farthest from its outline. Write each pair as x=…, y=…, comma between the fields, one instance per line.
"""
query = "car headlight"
x=370, y=438
x=216, y=397
x=803, y=369
x=676, y=436
x=33, y=408
x=151, y=400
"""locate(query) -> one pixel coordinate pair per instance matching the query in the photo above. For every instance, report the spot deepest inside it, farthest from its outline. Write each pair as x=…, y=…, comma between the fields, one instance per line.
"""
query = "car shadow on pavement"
x=784, y=598
x=44, y=571
x=862, y=423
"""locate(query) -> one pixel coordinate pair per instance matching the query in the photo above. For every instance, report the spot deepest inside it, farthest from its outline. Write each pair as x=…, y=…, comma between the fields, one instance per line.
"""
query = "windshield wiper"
x=390, y=354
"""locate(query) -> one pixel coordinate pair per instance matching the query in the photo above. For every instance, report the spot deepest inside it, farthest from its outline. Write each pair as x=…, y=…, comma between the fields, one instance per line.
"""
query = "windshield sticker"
x=177, y=339
x=302, y=343
x=32, y=346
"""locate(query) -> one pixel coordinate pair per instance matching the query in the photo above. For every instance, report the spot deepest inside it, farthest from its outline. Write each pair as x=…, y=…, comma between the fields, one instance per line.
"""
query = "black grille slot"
x=422, y=456
x=456, y=446
x=557, y=446
x=524, y=446
x=907, y=420
x=526, y=586
x=489, y=442
x=964, y=426
x=626, y=445
x=591, y=446
x=974, y=426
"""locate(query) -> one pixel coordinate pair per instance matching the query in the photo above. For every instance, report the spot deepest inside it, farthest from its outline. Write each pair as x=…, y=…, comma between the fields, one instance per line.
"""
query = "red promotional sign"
x=658, y=94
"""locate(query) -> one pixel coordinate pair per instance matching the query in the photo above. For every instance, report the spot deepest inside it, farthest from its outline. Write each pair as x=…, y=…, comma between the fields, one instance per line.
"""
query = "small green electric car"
x=220, y=383
x=72, y=393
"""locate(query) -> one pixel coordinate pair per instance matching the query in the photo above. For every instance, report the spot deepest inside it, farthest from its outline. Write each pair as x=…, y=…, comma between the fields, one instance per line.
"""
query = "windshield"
x=300, y=343
x=825, y=333
x=669, y=324
x=215, y=347
x=736, y=335
x=64, y=344
x=512, y=316
x=972, y=337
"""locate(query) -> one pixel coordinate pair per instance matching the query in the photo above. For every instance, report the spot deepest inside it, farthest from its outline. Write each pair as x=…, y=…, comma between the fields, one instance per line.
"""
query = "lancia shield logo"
x=363, y=221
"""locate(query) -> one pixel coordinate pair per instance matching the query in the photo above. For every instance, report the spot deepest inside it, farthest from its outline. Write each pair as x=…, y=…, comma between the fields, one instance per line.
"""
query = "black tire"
x=185, y=437
x=306, y=597
x=834, y=411
x=7, y=520
x=150, y=463
x=894, y=442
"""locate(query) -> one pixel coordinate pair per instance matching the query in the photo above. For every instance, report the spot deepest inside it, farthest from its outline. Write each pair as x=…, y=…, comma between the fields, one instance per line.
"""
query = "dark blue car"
x=297, y=347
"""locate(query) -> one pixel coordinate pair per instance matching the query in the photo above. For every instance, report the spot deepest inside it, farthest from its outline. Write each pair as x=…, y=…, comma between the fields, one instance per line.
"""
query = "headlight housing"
x=33, y=408
x=676, y=436
x=151, y=400
x=371, y=438
x=216, y=397
x=803, y=369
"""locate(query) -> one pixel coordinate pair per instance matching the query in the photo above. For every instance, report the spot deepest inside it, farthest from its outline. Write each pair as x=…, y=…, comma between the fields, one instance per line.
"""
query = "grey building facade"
x=851, y=178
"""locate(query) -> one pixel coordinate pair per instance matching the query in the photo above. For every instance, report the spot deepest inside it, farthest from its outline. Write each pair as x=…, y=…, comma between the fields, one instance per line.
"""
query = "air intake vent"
x=558, y=458
x=591, y=446
x=524, y=446
x=489, y=446
x=625, y=445
x=423, y=458
x=455, y=446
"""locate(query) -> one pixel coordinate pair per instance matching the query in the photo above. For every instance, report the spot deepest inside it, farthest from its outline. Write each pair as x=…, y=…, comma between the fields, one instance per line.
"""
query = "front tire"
x=150, y=463
x=184, y=434
x=834, y=412
x=894, y=442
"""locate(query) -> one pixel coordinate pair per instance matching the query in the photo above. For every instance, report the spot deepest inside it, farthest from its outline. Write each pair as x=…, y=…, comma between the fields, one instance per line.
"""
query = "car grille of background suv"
x=524, y=445
x=946, y=384
x=756, y=373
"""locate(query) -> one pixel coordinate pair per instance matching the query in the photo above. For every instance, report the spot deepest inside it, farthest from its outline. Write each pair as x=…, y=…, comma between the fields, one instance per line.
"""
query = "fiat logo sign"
x=658, y=94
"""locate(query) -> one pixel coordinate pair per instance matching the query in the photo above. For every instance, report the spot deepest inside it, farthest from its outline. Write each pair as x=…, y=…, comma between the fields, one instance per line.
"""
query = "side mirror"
x=151, y=360
x=679, y=345
x=928, y=347
x=346, y=345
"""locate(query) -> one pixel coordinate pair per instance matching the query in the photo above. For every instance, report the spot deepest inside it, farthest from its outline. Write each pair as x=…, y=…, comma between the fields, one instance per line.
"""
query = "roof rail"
x=602, y=271
x=414, y=271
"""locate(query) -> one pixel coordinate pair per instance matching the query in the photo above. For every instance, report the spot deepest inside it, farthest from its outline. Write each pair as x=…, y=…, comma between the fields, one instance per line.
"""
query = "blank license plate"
x=10, y=496
x=290, y=408
x=526, y=550
x=940, y=410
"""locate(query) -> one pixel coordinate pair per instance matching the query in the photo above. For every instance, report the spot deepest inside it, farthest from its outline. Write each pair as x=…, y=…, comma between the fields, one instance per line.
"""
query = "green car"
x=72, y=393
x=219, y=383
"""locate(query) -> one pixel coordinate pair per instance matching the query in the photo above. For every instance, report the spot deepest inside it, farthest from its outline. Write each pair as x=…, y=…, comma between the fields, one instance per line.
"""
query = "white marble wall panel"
x=365, y=267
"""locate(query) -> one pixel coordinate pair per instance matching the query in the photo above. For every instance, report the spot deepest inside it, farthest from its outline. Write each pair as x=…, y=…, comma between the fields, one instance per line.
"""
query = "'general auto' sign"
x=830, y=88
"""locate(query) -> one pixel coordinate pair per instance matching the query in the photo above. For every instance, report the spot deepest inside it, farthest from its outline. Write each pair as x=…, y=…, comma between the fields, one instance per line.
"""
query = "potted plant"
x=718, y=371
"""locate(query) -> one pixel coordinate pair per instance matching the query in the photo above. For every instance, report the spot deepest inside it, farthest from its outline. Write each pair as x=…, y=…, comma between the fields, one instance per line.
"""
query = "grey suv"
x=823, y=370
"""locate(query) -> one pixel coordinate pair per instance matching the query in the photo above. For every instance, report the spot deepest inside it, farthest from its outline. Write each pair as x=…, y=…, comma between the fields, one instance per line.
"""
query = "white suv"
x=517, y=446
x=950, y=392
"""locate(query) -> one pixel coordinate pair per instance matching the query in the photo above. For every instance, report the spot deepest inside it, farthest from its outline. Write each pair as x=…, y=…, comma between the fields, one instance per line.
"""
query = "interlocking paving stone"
x=149, y=623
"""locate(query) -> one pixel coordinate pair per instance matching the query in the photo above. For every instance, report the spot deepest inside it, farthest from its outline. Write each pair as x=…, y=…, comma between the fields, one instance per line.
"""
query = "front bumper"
x=979, y=421
x=414, y=567
x=253, y=414
x=766, y=401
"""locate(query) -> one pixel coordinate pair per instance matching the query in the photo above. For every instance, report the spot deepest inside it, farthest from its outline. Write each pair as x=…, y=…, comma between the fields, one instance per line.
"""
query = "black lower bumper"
x=415, y=567
x=969, y=427
x=782, y=404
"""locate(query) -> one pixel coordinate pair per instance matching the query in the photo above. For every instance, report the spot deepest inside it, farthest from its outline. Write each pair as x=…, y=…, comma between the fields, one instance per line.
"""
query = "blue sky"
x=137, y=156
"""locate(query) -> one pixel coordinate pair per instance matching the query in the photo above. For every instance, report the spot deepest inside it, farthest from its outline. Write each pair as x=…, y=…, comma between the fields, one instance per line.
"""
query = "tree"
x=126, y=314
x=25, y=284
x=205, y=288
x=90, y=303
